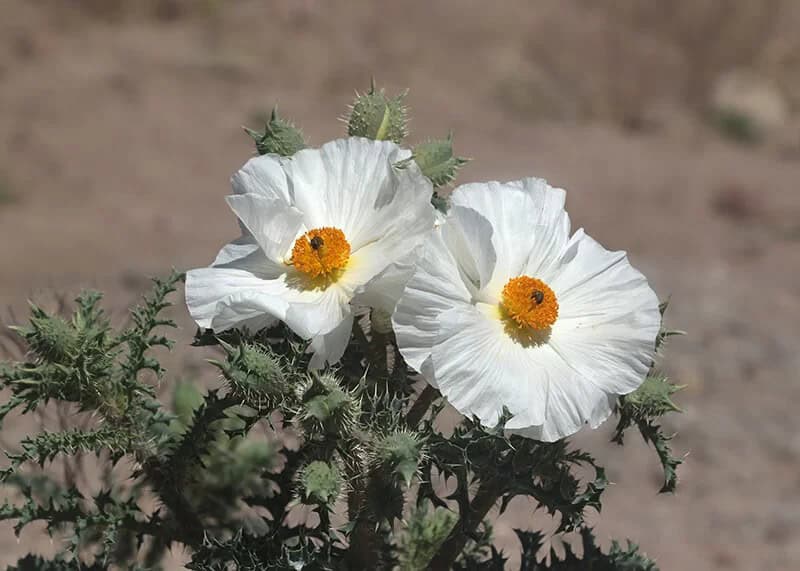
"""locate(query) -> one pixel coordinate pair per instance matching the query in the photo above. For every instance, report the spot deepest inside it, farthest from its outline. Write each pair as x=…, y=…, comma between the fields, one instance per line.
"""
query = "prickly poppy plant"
x=395, y=359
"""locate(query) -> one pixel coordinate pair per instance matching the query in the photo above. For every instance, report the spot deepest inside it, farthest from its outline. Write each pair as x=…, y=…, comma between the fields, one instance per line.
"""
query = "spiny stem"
x=485, y=498
x=421, y=405
x=364, y=542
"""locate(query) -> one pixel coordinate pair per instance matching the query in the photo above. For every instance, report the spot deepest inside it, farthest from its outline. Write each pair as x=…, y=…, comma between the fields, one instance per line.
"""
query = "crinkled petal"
x=273, y=224
x=435, y=287
x=608, y=316
x=263, y=175
x=240, y=248
x=529, y=222
x=468, y=236
x=352, y=184
x=222, y=298
x=480, y=369
x=330, y=347
x=314, y=312
x=385, y=289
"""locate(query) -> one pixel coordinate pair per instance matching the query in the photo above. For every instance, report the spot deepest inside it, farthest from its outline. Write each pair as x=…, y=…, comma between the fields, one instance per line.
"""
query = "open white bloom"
x=507, y=310
x=321, y=231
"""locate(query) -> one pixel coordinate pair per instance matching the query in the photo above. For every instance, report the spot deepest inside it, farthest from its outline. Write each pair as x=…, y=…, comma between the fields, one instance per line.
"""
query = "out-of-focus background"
x=675, y=127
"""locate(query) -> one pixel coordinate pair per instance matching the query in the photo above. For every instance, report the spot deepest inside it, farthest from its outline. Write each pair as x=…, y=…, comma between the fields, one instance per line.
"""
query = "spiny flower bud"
x=256, y=375
x=436, y=160
x=375, y=116
x=280, y=137
x=328, y=408
x=261, y=364
x=652, y=398
x=51, y=337
x=399, y=453
x=321, y=482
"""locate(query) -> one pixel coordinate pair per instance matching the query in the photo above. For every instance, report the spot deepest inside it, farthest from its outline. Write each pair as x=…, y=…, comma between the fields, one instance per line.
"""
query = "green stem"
x=365, y=545
x=421, y=405
x=485, y=498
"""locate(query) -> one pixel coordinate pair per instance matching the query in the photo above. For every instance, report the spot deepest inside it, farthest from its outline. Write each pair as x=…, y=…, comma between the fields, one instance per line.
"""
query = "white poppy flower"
x=322, y=230
x=506, y=309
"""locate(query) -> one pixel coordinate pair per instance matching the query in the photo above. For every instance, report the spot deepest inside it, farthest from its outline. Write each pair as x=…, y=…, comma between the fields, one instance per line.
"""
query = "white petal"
x=314, y=312
x=352, y=184
x=222, y=298
x=468, y=236
x=248, y=285
x=331, y=346
x=436, y=286
x=568, y=411
x=608, y=316
x=529, y=222
x=480, y=369
x=263, y=175
x=385, y=289
x=272, y=223
x=238, y=249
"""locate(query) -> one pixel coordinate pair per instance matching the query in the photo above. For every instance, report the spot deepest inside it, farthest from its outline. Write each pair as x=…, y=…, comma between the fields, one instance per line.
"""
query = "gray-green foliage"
x=232, y=468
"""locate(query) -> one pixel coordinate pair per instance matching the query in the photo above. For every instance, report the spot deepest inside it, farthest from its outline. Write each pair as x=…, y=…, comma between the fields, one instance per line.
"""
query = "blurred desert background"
x=675, y=127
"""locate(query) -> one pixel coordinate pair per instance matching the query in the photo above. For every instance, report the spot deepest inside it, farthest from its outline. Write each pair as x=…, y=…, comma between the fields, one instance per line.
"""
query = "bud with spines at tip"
x=49, y=336
x=255, y=375
x=399, y=454
x=375, y=116
x=280, y=137
x=436, y=160
x=321, y=483
x=652, y=399
x=327, y=408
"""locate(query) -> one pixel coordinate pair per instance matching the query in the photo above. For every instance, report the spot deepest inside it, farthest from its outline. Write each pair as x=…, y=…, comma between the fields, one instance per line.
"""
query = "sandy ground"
x=119, y=130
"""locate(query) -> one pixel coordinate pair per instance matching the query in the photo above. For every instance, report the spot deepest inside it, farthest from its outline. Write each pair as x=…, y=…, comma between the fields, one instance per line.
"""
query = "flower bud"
x=49, y=336
x=328, y=408
x=652, y=398
x=399, y=453
x=321, y=483
x=280, y=137
x=437, y=162
x=375, y=116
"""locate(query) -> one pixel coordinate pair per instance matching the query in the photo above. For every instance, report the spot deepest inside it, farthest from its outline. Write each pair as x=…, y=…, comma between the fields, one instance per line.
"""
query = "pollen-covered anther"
x=530, y=303
x=321, y=252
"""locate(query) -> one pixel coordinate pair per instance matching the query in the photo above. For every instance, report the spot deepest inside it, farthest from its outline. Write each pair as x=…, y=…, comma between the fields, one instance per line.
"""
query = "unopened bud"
x=375, y=116
x=280, y=137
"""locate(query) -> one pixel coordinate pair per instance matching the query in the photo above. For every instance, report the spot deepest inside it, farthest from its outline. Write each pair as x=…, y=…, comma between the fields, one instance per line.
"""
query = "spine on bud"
x=375, y=116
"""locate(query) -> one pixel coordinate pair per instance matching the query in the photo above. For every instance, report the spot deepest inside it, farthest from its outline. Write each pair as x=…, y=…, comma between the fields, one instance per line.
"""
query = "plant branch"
x=421, y=405
x=485, y=498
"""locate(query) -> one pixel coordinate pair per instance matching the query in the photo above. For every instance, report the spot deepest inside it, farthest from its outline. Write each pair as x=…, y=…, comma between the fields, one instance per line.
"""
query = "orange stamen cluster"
x=530, y=303
x=321, y=252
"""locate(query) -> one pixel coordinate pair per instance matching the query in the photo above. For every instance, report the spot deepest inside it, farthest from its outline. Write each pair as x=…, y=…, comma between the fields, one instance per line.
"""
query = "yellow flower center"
x=321, y=252
x=530, y=303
